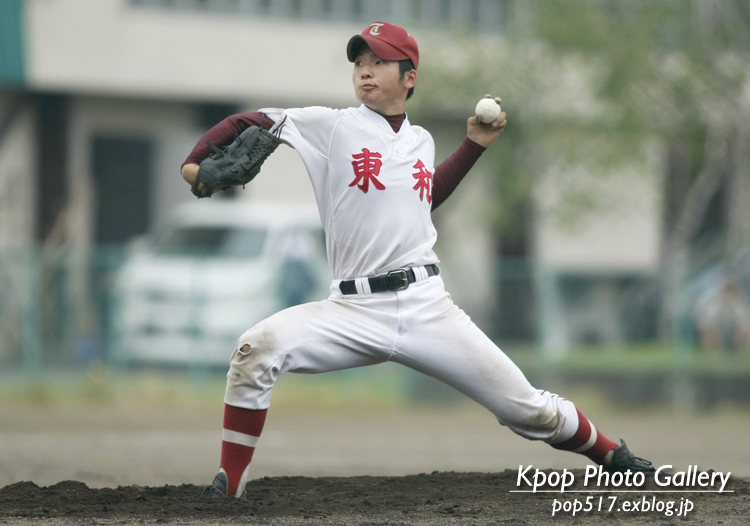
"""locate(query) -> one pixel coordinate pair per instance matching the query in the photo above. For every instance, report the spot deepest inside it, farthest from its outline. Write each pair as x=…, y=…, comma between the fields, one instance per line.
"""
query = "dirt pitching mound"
x=437, y=498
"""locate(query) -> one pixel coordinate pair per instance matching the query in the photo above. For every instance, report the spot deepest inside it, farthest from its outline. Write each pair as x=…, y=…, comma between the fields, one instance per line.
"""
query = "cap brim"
x=380, y=48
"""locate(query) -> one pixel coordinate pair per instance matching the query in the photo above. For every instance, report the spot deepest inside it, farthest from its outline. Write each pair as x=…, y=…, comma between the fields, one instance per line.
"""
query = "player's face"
x=377, y=83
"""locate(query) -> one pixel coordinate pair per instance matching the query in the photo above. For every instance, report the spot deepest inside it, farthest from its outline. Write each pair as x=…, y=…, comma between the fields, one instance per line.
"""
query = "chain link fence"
x=64, y=310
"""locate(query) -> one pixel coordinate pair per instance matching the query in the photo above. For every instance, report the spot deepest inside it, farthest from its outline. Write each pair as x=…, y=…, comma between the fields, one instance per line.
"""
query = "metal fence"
x=481, y=15
x=56, y=307
x=63, y=310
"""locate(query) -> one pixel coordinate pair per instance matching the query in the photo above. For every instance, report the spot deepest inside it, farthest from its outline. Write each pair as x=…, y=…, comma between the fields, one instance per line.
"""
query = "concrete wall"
x=591, y=221
x=109, y=46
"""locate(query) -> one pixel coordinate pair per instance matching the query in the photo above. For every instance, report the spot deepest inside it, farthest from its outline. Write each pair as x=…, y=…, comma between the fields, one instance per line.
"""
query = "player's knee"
x=254, y=355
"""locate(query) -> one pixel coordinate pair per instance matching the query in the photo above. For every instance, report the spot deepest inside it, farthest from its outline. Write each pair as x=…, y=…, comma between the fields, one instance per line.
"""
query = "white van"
x=217, y=269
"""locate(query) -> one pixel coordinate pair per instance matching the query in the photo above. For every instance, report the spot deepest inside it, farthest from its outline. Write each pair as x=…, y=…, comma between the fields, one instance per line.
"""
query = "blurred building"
x=101, y=101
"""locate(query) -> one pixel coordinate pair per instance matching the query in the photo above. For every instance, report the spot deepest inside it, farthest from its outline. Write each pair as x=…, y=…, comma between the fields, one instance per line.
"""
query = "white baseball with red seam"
x=488, y=110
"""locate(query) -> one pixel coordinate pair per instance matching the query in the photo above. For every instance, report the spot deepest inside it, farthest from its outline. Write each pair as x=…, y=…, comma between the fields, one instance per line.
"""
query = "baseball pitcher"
x=376, y=183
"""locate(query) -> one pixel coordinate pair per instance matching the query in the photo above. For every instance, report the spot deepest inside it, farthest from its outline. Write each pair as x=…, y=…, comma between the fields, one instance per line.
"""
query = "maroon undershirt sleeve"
x=223, y=133
x=451, y=171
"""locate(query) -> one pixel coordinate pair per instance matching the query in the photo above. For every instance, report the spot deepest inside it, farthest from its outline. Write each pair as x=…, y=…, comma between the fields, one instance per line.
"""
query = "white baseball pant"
x=419, y=327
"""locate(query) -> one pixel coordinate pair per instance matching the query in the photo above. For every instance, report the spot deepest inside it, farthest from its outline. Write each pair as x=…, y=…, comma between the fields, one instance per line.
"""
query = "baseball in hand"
x=488, y=110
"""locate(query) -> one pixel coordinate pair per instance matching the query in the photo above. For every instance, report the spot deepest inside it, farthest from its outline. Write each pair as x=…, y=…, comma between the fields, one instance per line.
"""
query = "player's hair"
x=405, y=66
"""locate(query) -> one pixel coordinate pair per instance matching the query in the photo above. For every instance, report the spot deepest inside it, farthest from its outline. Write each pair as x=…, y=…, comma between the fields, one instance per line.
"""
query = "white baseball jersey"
x=374, y=193
x=373, y=186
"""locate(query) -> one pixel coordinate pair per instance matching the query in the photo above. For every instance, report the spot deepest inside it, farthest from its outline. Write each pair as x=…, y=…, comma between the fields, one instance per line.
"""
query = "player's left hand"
x=190, y=174
x=482, y=133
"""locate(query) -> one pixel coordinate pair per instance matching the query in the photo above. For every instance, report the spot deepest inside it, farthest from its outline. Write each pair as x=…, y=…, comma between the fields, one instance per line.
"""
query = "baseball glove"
x=238, y=162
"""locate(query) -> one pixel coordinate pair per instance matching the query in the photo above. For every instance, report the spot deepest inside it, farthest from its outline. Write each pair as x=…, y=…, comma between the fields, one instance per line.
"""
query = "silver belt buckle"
x=404, y=279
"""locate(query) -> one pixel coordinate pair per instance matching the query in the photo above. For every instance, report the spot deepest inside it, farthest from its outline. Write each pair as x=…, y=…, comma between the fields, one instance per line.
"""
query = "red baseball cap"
x=387, y=41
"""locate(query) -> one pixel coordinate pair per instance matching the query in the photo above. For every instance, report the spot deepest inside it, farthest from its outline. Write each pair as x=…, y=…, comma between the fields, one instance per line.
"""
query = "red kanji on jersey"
x=366, y=168
x=424, y=181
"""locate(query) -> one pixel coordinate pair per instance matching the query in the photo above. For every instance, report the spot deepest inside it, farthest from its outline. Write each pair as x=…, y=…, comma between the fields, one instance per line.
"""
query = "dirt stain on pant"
x=253, y=368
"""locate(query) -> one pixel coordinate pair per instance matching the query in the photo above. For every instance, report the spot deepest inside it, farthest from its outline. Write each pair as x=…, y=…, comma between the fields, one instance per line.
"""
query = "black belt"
x=399, y=279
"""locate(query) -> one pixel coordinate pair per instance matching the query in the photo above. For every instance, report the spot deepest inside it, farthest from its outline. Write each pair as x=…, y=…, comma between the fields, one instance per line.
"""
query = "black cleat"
x=623, y=459
x=218, y=488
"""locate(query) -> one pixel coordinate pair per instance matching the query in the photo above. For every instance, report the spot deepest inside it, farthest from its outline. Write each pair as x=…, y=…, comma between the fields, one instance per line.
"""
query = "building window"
x=122, y=169
x=481, y=15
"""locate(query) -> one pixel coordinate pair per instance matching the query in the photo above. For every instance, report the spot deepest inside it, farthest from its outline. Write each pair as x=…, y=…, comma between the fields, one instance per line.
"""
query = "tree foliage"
x=602, y=84
x=596, y=82
x=678, y=71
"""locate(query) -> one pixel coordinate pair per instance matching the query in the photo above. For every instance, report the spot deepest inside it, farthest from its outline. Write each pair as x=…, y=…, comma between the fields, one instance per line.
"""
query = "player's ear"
x=410, y=79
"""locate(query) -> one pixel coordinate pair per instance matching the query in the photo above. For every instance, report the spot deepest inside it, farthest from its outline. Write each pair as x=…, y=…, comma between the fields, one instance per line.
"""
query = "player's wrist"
x=473, y=146
x=190, y=173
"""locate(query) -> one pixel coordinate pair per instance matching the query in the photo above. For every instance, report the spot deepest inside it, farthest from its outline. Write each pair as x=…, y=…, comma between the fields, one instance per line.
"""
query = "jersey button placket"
x=397, y=149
